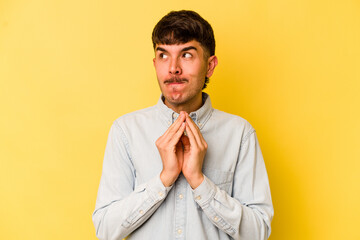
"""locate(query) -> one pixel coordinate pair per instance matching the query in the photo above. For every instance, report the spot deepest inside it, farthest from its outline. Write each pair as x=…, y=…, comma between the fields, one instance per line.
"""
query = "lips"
x=176, y=81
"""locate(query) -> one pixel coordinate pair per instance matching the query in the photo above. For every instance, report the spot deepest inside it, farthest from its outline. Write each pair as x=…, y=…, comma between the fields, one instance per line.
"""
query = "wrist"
x=167, y=179
x=195, y=180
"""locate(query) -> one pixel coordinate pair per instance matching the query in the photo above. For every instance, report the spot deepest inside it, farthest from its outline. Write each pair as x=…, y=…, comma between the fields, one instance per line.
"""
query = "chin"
x=175, y=99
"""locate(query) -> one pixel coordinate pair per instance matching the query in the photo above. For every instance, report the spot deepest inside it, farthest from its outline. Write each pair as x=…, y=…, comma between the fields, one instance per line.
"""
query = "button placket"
x=174, y=116
x=180, y=207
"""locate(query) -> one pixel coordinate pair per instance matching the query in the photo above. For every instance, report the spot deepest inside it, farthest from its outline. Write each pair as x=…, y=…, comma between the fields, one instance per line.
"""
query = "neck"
x=190, y=106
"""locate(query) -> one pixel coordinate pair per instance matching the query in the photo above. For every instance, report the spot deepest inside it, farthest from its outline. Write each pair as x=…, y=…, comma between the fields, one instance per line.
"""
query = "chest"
x=219, y=162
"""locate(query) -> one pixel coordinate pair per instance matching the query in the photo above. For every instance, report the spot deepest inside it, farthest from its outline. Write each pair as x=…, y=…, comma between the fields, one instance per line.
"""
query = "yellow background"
x=69, y=68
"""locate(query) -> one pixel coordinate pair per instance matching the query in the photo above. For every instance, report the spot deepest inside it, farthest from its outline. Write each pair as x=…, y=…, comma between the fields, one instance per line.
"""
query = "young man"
x=181, y=169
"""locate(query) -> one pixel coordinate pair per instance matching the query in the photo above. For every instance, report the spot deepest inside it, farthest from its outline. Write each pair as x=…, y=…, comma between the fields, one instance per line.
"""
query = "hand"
x=195, y=148
x=171, y=151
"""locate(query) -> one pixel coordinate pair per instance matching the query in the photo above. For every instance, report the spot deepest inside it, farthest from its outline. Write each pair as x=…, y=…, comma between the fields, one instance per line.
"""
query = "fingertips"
x=191, y=123
x=189, y=119
x=181, y=117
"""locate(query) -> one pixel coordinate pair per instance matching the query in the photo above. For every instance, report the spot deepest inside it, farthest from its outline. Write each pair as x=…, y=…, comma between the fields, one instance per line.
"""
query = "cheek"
x=160, y=70
x=199, y=72
x=193, y=69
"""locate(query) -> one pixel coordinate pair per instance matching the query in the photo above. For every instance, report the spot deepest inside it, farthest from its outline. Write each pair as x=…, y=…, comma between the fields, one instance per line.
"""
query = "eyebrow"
x=189, y=48
x=160, y=49
x=182, y=50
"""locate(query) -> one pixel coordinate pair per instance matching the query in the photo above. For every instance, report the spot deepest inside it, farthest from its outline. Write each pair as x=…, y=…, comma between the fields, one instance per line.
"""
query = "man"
x=181, y=169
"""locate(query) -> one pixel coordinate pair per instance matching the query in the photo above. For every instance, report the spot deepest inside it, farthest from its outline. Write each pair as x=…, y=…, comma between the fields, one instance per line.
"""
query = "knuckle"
x=159, y=145
x=203, y=147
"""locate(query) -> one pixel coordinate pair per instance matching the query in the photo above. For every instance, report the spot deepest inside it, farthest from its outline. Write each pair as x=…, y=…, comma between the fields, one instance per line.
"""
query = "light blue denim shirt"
x=233, y=201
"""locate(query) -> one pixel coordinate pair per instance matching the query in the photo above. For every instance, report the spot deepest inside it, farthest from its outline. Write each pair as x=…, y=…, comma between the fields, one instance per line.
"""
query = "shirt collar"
x=199, y=116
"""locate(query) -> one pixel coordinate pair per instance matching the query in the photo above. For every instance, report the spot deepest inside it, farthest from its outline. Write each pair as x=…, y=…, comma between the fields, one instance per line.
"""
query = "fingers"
x=185, y=143
x=180, y=153
x=195, y=131
x=176, y=137
x=173, y=133
x=191, y=136
x=176, y=125
x=192, y=132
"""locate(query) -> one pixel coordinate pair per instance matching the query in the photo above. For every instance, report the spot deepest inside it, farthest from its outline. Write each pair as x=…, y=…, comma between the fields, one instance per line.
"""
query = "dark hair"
x=184, y=26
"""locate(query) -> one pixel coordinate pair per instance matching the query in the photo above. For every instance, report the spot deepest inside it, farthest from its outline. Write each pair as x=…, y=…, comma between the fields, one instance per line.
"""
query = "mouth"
x=175, y=81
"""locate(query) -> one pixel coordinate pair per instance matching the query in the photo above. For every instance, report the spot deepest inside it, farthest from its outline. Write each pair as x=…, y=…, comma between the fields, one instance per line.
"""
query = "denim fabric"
x=233, y=201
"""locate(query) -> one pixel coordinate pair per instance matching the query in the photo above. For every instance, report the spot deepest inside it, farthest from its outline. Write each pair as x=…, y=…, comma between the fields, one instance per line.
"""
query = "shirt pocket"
x=222, y=179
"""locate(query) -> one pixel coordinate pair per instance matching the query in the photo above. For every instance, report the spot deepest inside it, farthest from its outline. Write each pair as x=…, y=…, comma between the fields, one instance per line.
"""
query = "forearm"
x=121, y=206
x=117, y=218
x=240, y=221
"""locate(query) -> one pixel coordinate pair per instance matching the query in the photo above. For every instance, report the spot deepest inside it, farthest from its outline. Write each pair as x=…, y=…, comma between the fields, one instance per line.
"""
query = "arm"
x=247, y=214
x=120, y=208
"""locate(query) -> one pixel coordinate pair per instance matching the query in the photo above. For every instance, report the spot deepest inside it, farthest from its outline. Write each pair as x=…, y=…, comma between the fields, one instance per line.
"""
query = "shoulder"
x=231, y=118
x=136, y=116
x=237, y=123
x=134, y=123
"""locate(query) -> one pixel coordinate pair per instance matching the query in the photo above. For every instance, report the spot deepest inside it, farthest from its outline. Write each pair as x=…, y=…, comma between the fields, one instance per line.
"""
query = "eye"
x=187, y=55
x=163, y=55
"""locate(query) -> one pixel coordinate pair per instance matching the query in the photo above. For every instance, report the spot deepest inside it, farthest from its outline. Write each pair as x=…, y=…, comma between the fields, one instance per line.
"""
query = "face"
x=181, y=71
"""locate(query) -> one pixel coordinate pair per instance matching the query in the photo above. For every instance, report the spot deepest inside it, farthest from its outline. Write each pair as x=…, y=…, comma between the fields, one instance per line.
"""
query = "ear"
x=212, y=63
x=154, y=61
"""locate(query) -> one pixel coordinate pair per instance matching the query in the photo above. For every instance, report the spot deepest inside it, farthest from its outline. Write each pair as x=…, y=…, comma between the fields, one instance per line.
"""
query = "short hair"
x=183, y=26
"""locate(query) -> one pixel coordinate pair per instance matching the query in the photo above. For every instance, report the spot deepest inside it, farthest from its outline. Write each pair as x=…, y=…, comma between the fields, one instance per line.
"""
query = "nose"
x=175, y=68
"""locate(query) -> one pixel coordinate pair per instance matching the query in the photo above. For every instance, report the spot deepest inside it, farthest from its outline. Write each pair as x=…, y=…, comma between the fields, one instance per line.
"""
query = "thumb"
x=179, y=146
x=186, y=143
x=180, y=153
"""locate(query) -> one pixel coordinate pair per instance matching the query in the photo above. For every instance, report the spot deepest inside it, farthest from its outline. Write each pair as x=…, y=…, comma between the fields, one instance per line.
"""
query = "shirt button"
x=181, y=196
x=216, y=218
x=198, y=198
x=169, y=122
x=199, y=123
x=179, y=231
x=141, y=211
x=160, y=194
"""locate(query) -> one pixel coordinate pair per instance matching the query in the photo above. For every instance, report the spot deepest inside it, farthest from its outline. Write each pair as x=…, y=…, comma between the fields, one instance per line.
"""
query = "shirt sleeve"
x=120, y=207
x=247, y=213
